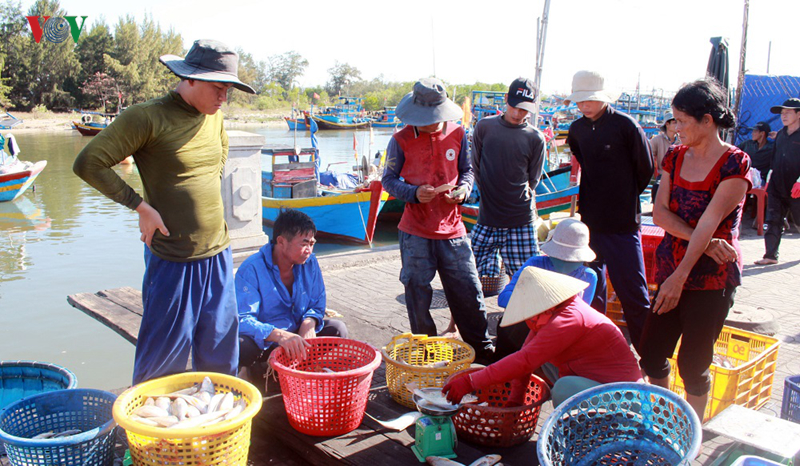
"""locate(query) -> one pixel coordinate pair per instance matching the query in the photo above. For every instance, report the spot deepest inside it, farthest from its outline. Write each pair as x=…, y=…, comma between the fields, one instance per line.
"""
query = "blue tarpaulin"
x=759, y=93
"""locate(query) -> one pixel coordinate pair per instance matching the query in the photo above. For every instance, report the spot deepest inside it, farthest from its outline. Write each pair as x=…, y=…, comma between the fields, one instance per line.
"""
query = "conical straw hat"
x=538, y=290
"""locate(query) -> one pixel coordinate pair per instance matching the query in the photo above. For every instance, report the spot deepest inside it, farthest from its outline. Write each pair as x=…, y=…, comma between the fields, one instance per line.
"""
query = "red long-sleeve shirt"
x=578, y=340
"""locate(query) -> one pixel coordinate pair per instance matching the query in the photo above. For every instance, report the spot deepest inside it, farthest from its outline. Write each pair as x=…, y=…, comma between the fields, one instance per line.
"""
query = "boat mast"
x=742, y=55
x=541, y=35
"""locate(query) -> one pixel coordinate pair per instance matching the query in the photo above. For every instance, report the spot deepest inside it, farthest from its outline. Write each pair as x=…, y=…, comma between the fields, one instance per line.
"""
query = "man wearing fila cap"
x=180, y=147
x=616, y=167
x=508, y=153
x=424, y=161
x=783, y=190
x=585, y=347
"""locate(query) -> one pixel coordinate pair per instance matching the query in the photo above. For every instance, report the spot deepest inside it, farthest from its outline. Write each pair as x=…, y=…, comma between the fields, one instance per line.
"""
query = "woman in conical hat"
x=585, y=347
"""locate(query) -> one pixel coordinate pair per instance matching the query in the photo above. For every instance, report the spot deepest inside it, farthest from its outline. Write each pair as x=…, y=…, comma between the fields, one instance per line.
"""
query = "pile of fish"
x=196, y=406
x=55, y=435
x=436, y=398
x=488, y=460
x=724, y=361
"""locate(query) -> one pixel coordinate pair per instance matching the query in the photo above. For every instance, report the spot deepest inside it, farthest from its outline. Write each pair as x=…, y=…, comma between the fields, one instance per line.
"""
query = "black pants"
x=697, y=320
x=778, y=207
x=250, y=353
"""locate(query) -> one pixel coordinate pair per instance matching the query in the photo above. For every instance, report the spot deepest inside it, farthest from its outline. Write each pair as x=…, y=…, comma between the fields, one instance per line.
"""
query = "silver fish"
x=162, y=402
x=67, y=433
x=151, y=411
x=43, y=435
x=178, y=408
x=487, y=460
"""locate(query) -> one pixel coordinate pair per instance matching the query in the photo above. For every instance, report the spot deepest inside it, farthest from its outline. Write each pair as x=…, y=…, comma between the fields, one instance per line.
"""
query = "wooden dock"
x=364, y=287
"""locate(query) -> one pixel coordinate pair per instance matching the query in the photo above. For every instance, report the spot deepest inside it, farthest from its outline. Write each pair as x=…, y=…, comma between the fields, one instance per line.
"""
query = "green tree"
x=252, y=73
x=39, y=74
x=90, y=50
x=101, y=89
x=133, y=61
x=342, y=76
x=284, y=69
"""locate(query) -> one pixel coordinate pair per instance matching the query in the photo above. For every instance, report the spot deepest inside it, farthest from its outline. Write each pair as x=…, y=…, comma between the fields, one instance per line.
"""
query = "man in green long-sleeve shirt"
x=180, y=147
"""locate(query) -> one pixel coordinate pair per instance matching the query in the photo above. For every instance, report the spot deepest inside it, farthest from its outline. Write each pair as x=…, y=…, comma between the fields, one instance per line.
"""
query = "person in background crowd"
x=579, y=347
x=430, y=154
x=567, y=250
x=281, y=296
x=180, y=147
x=699, y=262
x=760, y=149
x=616, y=167
x=667, y=136
x=783, y=189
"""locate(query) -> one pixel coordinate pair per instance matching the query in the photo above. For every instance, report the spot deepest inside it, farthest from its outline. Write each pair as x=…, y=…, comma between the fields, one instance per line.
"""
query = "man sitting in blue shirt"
x=281, y=296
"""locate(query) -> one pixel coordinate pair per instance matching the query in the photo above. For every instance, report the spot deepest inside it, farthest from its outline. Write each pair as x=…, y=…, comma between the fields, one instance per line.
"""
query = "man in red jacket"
x=430, y=155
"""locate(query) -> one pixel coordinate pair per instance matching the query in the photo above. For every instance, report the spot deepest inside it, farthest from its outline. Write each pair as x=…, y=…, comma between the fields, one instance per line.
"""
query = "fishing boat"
x=554, y=193
x=17, y=177
x=88, y=127
x=9, y=121
x=386, y=118
x=298, y=121
x=486, y=104
x=342, y=215
x=347, y=114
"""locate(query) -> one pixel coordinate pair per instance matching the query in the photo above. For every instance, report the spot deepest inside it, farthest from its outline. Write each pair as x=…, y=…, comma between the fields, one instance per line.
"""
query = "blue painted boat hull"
x=14, y=185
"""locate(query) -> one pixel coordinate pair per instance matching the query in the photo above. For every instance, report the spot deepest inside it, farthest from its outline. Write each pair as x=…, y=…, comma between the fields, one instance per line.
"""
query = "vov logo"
x=56, y=28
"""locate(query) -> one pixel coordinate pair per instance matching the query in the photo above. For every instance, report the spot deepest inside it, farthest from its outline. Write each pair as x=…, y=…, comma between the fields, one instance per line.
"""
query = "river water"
x=66, y=238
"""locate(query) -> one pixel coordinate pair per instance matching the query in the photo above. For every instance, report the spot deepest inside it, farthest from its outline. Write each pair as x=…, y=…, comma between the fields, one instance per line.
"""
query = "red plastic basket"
x=651, y=238
x=325, y=403
x=495, y=425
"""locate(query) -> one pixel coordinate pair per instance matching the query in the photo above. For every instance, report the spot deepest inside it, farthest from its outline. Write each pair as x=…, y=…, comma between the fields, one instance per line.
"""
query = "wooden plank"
x=126, y=297
x=116, y=317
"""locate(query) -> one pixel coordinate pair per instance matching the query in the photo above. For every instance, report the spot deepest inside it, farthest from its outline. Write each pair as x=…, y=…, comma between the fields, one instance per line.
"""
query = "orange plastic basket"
x=411, y=358
x=226, y=442
x=614, y=307
x=749, y=383
x=495, y=425
x=325, y=403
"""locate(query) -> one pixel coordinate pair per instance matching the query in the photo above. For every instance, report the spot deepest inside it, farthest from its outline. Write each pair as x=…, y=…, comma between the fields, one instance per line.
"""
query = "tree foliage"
x=342, y=76
x=123, y=59
x=284, y=69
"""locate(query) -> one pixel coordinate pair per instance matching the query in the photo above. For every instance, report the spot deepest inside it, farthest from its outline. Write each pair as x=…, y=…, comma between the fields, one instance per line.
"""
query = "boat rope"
x=363, y=223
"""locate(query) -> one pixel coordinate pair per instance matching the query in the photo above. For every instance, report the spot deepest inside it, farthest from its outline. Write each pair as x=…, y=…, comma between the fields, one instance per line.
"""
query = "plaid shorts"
x=513, y=245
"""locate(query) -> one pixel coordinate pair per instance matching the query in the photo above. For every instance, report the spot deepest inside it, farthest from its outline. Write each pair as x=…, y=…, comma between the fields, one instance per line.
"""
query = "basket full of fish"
x=191, y=418
x=64, y=427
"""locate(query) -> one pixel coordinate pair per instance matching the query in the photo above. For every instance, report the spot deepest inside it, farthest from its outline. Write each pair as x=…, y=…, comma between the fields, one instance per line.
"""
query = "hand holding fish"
x=294, y=345
x=458, y=388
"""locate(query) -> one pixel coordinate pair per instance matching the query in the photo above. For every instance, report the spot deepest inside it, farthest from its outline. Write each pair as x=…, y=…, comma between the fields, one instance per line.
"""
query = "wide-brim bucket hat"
x=208, y=60
x=570, y=242
x=590, y=85
x=538, y=290
x=427, y=104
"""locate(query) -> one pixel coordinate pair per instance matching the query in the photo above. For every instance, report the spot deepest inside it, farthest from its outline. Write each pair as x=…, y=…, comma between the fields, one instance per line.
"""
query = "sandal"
x=766, y=261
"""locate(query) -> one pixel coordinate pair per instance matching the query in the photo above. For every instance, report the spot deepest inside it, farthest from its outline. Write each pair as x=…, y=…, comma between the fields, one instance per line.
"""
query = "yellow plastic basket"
x=226, y=442
x=749, y=383
x=409, y=356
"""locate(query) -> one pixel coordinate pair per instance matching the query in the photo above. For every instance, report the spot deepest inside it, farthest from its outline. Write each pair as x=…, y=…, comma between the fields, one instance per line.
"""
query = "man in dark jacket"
x=616, y=167
x=783, y=190
x=760, y=149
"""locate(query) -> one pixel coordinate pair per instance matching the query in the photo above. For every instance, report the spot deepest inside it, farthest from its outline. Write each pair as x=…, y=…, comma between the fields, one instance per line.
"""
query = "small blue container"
x=628, y=423
x=790, y=407
x=87, y=410
x=19, y=379
x=754, y=461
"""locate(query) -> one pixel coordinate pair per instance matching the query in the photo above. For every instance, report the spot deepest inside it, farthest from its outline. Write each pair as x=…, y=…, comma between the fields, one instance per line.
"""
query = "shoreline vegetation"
x=59, y=121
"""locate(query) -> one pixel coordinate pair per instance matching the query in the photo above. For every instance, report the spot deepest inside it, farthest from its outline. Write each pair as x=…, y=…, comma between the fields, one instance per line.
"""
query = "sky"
x=657, y=44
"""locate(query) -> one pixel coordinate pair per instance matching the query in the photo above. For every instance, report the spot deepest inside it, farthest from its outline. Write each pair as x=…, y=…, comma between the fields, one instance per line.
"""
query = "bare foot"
x=766, y=261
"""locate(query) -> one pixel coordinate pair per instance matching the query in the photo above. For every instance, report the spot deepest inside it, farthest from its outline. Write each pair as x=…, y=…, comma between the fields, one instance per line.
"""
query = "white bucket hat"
x=570, y=242
x=537, y=291
x=590, y=85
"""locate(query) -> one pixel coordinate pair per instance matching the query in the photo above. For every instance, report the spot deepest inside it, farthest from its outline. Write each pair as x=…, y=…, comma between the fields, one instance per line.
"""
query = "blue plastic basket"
x=19, y=379
x=790, y=407
x=754, y=461
x=621, y=423
x=84, y=409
